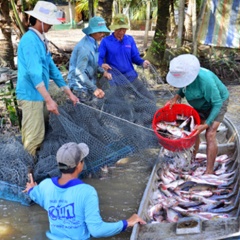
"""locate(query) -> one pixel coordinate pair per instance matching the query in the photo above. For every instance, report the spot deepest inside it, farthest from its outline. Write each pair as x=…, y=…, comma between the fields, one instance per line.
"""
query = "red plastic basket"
x=170, y=115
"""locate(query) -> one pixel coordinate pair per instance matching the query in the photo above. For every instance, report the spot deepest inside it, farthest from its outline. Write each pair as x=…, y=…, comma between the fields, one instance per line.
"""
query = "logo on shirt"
x=128, y=46
x=62, y=212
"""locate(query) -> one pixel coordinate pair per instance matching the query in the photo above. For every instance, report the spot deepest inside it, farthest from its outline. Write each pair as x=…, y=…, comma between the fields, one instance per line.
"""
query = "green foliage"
x=82, y=6
x=158, y=45
x=9, y=99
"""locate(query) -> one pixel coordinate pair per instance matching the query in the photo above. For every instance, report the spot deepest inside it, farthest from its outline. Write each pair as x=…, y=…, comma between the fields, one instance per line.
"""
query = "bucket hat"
x=70, y=154
x=183, y=70
x=96, y=24
x=45, y=12
x=119, y=21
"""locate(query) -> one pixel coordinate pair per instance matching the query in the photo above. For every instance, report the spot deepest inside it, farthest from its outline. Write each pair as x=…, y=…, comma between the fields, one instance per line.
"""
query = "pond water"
x=120, y=191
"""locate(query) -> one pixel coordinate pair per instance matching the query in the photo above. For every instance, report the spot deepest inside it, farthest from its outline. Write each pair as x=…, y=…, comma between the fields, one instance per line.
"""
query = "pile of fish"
x=184, y=191
x=182, y=127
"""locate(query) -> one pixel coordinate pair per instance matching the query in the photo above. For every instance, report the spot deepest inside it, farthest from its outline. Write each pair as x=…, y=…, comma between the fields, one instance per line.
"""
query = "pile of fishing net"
x=114, y=127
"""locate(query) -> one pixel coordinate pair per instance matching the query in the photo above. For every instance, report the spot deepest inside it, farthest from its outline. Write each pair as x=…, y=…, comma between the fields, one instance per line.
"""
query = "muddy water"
x=120, y=190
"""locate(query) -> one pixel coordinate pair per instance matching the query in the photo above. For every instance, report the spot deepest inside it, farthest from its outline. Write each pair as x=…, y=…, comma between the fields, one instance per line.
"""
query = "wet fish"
x=188, y=124
x=203, y=187
x=154, y=210
x=204, y=181
x=176, y=132
x=183, y=189
x=166, y=179
x=199, y=171
x=209, y=207
x=165, y=191
x=185, y=186
x=172, y=216
x=174, y=184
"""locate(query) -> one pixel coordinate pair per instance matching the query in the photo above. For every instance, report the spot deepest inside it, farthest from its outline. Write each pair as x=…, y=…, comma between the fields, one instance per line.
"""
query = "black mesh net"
x=114, y=127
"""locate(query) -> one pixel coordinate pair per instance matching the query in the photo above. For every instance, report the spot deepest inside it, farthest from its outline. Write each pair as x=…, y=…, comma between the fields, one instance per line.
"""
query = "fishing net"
x=117, y=126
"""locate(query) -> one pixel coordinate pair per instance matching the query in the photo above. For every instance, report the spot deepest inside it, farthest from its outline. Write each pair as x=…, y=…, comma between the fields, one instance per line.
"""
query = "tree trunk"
x=105, y=10
x=194, y=20
x=155, y=53
x=181, y=15
x=188, y=22
x=71, y=14
x=91, y=8
x=6, y=46
x=148, y=12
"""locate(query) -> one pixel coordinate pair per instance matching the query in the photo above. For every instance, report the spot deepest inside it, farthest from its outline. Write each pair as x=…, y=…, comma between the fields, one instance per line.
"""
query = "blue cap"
x=96, y=24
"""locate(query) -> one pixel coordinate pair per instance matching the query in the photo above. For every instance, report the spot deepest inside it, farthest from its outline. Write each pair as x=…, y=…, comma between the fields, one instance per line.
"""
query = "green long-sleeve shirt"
x=206, y=92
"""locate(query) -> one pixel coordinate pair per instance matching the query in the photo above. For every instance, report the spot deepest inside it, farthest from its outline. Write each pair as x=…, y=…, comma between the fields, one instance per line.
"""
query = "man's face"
x=46, y=27
x=98, y=36
x=119, y=33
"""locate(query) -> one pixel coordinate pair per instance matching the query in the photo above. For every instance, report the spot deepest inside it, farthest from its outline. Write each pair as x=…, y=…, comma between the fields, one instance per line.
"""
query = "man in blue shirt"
x=205, y=92
x=119, y=51
x=72, y=205
x=83, y=67
x=35, y=69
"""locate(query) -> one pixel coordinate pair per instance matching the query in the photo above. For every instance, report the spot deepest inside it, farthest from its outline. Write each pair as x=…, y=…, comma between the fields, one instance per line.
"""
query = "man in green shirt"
x=206, y=93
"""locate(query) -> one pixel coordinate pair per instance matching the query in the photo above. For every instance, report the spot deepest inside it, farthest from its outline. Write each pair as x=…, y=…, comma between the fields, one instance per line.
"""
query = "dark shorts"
x=204, y=114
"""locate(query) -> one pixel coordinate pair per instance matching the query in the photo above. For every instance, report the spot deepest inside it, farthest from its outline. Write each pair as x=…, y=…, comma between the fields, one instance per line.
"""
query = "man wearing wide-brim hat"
x=120, y=52
x=83, y=67
x=206, y=93
x=35, y=69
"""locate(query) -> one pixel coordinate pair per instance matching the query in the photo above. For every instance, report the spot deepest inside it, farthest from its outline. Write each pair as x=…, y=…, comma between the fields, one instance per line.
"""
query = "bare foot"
x=208, y=172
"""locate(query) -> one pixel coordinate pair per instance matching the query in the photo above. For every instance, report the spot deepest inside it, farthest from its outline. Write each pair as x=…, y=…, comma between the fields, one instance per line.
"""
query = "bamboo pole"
x=19, y=23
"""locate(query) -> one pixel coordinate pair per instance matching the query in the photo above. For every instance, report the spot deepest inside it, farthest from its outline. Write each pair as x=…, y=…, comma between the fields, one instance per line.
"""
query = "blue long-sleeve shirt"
x=120, y=55
x=206, y=92
x=73, y=210
x=35, y=67
x=83, y=67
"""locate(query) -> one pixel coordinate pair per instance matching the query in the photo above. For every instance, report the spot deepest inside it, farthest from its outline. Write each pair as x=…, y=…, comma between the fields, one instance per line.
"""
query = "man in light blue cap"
x=83, y=67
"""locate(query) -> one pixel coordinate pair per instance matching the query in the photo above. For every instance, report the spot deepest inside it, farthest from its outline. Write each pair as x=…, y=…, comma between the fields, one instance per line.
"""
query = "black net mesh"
x=114, y=127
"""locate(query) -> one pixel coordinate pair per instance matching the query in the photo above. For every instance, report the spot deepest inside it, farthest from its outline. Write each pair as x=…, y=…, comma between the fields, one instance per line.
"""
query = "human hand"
x=52, y=106
x=107, y=75
x=30, y=184
x=172, y=101
x=135, y=219
x=99, y=93
x=146, y=64
x=73, y=98
x=106, y=67
x=200, y=128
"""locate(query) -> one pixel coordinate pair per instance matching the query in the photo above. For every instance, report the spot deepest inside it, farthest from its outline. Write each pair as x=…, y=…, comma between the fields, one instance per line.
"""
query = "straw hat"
x=119, y=21
x=183, y=70
x=96, y=24
x=45, y=12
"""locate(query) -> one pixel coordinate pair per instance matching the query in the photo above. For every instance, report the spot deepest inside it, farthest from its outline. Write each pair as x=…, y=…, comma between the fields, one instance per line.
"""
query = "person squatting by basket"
x=206, y=93
x=119, y=51
x=35, y=69
x=72, y=205
x=83, y=67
